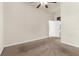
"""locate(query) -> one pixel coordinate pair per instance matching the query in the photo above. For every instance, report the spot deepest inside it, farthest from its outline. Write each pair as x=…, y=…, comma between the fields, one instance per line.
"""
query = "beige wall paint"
x=1, y=27
x=24, y=23
x=70, y=23
x=56, y=11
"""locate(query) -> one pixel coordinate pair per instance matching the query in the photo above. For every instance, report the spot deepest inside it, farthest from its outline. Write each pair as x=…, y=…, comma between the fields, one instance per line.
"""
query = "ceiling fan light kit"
x=44, y=3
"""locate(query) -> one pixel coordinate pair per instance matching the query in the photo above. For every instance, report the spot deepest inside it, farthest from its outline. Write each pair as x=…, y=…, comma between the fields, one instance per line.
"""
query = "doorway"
x=55, y=28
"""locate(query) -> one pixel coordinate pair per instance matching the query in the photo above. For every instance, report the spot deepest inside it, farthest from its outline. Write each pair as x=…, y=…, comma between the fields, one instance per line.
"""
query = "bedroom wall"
x=70, y=23
x=1, y=27
x=23, y=23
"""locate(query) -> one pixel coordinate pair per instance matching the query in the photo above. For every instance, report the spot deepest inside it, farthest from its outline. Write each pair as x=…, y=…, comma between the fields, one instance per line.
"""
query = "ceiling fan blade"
x=38, y=6
x=46, y=6
x=52, y=2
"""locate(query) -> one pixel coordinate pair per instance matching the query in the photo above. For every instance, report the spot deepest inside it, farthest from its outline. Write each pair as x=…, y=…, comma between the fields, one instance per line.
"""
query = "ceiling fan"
x=44, y=4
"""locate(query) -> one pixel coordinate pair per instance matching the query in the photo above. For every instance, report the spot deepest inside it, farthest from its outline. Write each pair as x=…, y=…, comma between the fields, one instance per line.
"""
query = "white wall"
x=57, y=12
x=70, y=23
x=24, y=23
x=54, y=9
x=1, y=27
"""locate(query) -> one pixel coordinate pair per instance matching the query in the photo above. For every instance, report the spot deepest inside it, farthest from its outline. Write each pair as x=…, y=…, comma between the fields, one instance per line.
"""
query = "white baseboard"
x=24, y=41
x=70, y=44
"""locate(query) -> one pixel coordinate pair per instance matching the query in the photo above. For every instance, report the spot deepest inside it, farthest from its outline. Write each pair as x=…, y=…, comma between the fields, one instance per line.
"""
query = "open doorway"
x=55, y=27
